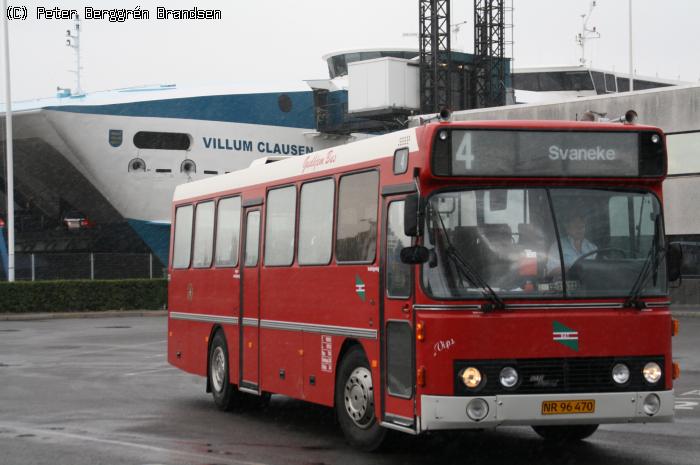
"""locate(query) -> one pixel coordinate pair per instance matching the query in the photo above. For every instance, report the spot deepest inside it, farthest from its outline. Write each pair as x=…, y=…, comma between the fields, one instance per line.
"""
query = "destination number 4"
x=464, y=152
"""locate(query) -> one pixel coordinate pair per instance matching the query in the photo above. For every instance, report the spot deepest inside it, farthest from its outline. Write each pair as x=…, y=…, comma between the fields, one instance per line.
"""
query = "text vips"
x=598, y=153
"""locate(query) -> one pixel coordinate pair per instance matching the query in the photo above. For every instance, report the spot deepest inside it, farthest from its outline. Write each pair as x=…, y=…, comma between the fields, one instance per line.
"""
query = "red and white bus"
x=448, y=276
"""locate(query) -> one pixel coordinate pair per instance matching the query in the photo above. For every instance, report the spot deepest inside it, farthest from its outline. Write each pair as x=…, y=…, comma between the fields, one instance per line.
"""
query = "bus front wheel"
x=354, y=402
x=223, y=391
x=565, y=433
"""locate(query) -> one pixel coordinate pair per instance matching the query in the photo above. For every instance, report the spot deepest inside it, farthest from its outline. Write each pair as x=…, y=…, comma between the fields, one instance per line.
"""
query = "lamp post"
x=10, y=165
x=631, y=49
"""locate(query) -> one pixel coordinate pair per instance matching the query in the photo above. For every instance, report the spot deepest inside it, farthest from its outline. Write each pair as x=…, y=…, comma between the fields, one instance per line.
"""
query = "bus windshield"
x=544, y=242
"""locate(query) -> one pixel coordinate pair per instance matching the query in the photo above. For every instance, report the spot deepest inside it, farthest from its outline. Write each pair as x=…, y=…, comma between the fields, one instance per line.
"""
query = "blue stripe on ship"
x=156, y=236
x=241, y=108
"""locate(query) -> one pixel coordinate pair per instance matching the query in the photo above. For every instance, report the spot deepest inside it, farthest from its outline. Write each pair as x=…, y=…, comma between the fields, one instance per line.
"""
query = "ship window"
x=162, y=140
x=137, y=164
x=285, y=103
x=623, y=84
x=610, y=83
x=599, y=82
x=188, y=167
x=553, y=81
x=640, y=84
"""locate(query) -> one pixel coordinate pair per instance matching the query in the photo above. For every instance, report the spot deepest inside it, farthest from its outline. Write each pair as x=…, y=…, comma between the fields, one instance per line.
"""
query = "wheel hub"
x=359, y=397
x=218, y=369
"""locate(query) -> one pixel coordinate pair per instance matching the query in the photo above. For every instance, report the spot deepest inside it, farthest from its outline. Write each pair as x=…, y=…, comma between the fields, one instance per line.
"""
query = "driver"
x=573, y=244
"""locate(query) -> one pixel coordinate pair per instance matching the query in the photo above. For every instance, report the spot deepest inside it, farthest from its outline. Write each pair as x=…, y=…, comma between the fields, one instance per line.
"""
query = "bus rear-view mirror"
x=414, y=255
x=674, y=261
x=412, y=220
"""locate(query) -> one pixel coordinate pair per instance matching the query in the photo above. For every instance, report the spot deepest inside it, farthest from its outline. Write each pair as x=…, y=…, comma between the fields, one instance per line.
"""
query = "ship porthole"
x=285, y=103
x=188, y=167
x=137, y=164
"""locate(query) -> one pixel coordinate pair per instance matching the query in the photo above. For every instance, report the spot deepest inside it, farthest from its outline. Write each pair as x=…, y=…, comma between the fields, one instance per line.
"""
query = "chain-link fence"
x=36, y=267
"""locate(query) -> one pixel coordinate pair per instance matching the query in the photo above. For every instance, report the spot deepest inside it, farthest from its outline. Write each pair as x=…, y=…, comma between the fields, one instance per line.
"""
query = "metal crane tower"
x=489, y=50
x=435, y=55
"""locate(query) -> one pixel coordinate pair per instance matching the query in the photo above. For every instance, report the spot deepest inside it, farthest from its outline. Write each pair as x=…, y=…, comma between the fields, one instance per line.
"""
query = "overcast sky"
x=283, y=40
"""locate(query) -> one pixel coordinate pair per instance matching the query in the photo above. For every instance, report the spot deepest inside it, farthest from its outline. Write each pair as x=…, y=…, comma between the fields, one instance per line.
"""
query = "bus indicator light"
x=676, y=370
x=675, y=327
x=420, y=376
x=419, y=331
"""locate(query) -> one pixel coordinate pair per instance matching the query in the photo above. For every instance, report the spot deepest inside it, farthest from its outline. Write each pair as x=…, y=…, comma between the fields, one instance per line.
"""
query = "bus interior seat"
x=498, y=248
x=466, y=240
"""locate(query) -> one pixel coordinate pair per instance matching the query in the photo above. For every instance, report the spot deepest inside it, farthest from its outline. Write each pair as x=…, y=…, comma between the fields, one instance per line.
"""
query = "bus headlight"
x=652, y=404
x=477, y=409
x=471, y=377
x=508, y=377
x=652, y=372
x=620, y=373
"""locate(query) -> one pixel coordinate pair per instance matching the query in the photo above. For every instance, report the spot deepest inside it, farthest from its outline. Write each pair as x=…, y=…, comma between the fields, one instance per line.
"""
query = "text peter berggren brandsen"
x=120, y=15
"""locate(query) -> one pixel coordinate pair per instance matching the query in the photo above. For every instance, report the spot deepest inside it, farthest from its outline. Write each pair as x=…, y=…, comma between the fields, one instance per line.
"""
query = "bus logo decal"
x=565, y=335
x=360, y=287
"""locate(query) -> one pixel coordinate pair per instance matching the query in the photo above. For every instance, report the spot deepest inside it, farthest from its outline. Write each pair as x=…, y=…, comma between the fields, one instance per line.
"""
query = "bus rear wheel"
x=223, y=391
x=354, y=402
x=567, y=433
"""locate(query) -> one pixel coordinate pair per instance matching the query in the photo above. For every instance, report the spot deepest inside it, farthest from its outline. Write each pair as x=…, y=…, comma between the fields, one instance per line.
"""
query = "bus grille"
x=558, y=375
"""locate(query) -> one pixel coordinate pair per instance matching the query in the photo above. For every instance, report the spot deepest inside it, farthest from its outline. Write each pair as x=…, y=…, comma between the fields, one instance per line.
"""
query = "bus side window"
x=228, y=231
x=316, y=222
x=398, y=274
x=279, y=226
x=252, y=236
x=182, y=248
x=203, y=235
x=356, y=239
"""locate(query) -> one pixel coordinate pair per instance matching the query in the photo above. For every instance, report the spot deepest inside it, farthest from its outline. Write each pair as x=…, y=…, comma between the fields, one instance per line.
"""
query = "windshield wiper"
x=651, y=262
x=468, y=272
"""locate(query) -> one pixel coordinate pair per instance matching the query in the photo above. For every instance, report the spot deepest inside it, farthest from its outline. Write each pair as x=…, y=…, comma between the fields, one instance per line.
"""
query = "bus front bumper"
x=444, y=412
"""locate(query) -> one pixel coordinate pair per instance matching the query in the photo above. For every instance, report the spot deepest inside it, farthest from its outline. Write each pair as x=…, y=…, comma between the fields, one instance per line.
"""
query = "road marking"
x=686, y=404
x=37, y=432
x=691, y=393
x=151, y=371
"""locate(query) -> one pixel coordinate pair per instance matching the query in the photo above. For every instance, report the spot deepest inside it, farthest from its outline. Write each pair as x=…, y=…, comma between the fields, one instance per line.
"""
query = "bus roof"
x=365, y=150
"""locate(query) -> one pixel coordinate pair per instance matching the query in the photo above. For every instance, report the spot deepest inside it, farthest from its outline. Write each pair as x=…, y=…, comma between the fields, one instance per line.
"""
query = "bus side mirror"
x=414, y=255
x=674, y=260
x=412, y=217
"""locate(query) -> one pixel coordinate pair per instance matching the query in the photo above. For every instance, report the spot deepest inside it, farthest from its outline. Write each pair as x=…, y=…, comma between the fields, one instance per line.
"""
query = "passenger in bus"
x=573, y=244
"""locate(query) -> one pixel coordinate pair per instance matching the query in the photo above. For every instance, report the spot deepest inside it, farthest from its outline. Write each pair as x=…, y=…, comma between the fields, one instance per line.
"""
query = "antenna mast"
x=586, y=34
x=73, y=41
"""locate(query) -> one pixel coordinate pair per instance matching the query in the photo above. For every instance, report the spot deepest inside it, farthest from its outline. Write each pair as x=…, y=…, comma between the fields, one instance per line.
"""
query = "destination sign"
x=508, y=153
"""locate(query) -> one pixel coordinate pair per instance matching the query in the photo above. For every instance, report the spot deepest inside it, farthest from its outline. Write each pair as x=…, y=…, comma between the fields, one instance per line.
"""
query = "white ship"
x=118, y=155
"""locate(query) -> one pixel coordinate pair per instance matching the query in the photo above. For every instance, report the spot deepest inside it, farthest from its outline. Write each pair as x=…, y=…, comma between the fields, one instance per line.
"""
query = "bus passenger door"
x=398, y=339
x=250, y=308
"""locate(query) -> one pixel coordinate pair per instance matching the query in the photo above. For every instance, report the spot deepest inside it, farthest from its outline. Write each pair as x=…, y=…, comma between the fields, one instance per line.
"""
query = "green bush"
x=83, y=295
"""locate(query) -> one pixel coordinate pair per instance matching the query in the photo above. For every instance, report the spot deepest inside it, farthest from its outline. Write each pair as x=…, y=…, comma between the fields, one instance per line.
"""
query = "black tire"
x=568, y=433
x=354, y=402
x=225, y=394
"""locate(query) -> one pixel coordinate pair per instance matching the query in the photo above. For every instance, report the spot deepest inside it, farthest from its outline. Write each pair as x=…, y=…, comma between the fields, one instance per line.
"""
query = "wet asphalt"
x=99, y=391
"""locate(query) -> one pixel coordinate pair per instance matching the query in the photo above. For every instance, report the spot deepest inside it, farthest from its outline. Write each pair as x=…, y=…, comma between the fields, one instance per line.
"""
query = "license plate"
x=567, y=407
